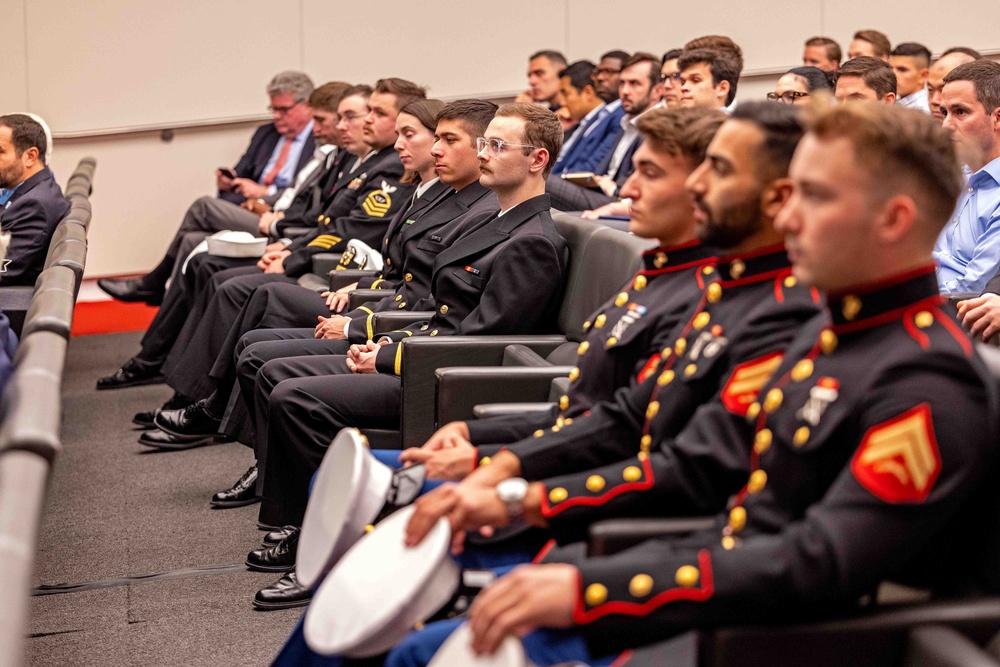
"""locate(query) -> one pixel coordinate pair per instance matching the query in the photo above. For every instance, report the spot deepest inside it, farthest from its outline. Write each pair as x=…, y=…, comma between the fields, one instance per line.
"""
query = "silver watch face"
x=512, y=490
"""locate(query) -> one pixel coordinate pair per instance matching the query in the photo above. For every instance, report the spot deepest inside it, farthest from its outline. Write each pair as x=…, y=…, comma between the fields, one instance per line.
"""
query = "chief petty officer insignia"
x=378, y=202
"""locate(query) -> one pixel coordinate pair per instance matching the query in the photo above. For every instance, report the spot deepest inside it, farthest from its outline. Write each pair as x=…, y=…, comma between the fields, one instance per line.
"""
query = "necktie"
x=282, y=158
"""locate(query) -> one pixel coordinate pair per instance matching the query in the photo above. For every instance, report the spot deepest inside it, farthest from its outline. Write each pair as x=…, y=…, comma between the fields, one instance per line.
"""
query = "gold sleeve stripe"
x=398, y=366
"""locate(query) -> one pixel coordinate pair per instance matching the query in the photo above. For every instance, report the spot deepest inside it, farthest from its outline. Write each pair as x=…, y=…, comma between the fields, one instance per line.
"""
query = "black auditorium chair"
x=901, y=627
x=601, y=260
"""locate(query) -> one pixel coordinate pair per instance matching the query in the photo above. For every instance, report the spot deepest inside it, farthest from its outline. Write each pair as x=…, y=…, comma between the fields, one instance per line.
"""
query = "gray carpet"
x=118, y=509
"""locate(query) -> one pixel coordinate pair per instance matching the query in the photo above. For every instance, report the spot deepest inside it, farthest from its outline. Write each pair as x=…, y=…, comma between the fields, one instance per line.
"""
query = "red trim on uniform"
x=779, y=291
x=670, y=248
x=758, y=278
x=954, y=330
x=739, y=403
x=596, y=501
x=915, y=333
x=622, y=659
x=649, y=368
x=475, y=458
x=928, y=303
x=766, y=250
x=864, y=288
x=672, y=269
x=701, y=594
x=540, y=556
x=815, y=295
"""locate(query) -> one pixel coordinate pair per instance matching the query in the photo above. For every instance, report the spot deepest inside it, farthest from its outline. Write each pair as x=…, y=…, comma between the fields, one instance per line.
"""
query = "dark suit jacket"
x=307, y=207
x=360, y=207
x=431, y=233
x=626, y=167
x=31, y=216
x=592, y=150
x=505, y=276
x=252, y=164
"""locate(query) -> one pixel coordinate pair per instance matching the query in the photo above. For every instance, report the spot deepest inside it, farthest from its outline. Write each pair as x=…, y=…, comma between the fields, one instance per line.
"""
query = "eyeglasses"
x=675, y=77
x=497, y=145
x=788, y=97
x=281, y=111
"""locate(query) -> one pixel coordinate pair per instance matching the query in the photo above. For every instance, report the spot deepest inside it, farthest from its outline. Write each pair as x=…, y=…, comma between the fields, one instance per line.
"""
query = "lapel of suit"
x=446, y=210
x=493, y=233
x=419, y=207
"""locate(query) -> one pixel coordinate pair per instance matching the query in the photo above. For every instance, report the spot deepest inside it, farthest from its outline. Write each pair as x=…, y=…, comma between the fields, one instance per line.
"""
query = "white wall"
x=95, y=69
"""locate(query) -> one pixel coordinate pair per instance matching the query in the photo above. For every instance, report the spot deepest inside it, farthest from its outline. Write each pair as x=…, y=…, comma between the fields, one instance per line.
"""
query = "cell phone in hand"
x=228, y=172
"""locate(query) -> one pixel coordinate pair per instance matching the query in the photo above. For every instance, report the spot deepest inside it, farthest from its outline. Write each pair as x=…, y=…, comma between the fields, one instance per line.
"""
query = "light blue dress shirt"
x=968, y=250
x=286, y=176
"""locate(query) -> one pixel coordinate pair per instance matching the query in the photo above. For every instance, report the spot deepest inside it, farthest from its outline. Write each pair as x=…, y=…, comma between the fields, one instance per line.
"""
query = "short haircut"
x=875, y=72
x=555, y=57
x=680, y=132
x=25, y=133
x=360, y=89
x=718, y=43
x=815, y=78
x=404, y=91
x=877, y=39
x=892, y=144
x=830, y=47
x=474, y=115
x=542, y=128
x=290, y=82
x=616, y=54
x=722, y=65
x=671, y=55
x=972, y=53
x=327, y=97
x=782, y=127
x=644, y=57
x=579, y=74
x=985, y=78
x=919, y=52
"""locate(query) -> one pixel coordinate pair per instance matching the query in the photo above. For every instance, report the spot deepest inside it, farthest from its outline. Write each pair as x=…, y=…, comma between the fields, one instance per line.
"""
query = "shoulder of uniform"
x=788, y=289
x=932, y=328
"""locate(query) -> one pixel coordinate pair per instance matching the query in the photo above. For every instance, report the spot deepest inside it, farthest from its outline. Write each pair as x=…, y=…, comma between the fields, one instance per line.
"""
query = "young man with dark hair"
x=863, y=461
x=822, y=53
x=576, y=88
x=639, y=90
x=36, y=203
x=948, y=61
x=598, y=123
x=718, y=43
x=670, y=77
x=708, y=78
x=968, y=251
x=869, y=43
x=866, y=78
x=911, y=63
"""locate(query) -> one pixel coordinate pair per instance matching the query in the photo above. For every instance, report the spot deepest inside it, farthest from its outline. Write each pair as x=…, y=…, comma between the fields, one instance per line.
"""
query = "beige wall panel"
x=13, y=73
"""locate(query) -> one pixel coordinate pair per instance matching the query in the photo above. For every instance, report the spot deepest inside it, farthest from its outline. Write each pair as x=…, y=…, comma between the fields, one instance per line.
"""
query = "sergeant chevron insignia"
x=746, y=381
x=898, y=460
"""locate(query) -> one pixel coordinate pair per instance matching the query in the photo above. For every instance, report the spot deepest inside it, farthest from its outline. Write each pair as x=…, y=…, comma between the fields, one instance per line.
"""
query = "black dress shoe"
x=243, y=492
x=145, y=419
x=285, y=593
x=279, y=558
x=131, y=374
x=196, y=419
x=131, y=290
x=276, y=536
x=161, y=440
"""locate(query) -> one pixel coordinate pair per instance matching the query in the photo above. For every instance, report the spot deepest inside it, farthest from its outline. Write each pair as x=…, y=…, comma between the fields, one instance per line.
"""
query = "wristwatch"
x=512, y=493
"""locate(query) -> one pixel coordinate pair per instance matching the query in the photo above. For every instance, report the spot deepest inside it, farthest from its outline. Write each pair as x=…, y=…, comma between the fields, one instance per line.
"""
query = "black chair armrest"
x=346, y=277
x=391, y=321
x=295, y=231
x=487, y=410
x=461, y=389
x=360, y=297
x=942, y=646
x=325, y=262
x=423, y=355
x=610, y=537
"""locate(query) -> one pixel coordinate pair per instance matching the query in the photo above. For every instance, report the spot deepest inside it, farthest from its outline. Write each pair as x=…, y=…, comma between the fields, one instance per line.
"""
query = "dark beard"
x=730, y=227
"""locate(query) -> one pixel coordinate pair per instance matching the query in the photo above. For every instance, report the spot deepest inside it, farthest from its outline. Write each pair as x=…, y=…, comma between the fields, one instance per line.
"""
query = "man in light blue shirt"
x=968, y=250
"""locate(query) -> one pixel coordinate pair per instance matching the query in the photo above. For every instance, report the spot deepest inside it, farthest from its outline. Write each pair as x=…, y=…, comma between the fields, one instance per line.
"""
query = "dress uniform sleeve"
x=691, y=475
x=914, y=463
x=376, y=203
x=510, y=428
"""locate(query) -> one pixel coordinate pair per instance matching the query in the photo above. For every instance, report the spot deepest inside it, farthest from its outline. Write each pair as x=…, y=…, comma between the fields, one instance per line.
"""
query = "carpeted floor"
x=117, y=509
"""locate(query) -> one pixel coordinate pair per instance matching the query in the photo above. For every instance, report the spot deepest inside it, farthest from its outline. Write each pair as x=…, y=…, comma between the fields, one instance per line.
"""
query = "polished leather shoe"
x=131, y=374
x=195, y=419
x=279, y=558
x=276, y=536
x=146, y=418
x=161, y=440
x=131, y=290
x=243, y=492
x=285, y=593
